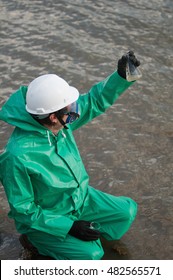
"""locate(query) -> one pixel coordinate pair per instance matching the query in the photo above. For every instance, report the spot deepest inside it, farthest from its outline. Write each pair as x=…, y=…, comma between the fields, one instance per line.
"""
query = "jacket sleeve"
x=25, y=211
x=100, y=97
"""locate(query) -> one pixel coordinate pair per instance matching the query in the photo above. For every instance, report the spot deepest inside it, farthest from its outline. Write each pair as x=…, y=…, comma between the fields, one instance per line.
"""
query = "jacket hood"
x=14, y=112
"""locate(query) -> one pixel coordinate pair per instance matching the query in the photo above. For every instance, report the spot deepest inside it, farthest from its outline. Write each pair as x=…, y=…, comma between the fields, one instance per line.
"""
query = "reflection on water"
x=127, y=151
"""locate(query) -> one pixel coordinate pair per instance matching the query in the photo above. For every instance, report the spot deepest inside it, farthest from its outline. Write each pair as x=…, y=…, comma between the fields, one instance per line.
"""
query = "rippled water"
x=129, y=150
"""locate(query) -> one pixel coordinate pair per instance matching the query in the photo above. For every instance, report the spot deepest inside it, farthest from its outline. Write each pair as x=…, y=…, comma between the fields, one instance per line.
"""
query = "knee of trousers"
x=131, y=210
x=95, y=253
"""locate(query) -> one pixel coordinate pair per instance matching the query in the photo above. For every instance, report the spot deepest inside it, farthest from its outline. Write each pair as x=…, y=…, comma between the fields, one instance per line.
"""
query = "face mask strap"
x=62, y=122
x=59, y=116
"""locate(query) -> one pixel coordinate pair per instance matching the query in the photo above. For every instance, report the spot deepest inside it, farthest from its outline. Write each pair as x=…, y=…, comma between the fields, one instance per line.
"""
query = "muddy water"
x=127, y=151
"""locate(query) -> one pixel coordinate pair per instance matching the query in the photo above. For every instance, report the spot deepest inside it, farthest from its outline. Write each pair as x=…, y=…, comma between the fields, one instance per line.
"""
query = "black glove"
x=122, y=63
x=82, y=230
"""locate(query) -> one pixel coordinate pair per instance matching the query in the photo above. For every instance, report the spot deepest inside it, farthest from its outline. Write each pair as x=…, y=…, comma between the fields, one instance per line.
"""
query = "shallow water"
x=127, y=151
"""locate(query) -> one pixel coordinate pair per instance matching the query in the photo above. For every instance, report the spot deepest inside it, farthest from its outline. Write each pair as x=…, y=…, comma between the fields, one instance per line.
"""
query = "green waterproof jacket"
x=43, y=174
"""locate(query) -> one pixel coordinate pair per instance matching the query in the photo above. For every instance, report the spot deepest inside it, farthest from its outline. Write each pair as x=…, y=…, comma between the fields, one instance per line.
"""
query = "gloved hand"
x=122, y=63
x=81, y=230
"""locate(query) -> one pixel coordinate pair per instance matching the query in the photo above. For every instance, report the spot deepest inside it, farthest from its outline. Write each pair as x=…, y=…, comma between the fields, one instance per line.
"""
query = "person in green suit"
x=43, y=175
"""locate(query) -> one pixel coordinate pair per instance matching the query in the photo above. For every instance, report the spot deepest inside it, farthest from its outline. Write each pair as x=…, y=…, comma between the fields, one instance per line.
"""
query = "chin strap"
x=61, y=121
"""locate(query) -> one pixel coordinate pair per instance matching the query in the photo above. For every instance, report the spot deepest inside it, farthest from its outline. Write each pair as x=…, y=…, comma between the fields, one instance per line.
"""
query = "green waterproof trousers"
x=115, y=215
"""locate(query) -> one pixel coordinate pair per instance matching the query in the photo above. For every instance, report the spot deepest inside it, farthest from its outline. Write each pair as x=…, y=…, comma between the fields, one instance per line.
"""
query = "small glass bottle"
x=95, y=225
x=132, y=72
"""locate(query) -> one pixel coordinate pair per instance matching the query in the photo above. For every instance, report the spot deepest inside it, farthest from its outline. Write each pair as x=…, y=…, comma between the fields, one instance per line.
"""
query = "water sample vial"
x=132, y=72
x=95, y=225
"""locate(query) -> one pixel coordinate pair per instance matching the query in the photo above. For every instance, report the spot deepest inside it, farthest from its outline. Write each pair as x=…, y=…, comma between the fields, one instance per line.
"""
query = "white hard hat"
x=49, y=93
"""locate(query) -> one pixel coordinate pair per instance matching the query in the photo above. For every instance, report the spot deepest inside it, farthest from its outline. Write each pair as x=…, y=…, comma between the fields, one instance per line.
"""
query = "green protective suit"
x=46, y=183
